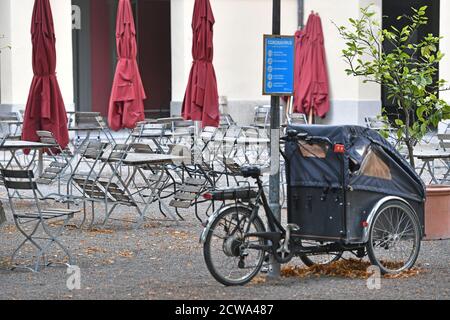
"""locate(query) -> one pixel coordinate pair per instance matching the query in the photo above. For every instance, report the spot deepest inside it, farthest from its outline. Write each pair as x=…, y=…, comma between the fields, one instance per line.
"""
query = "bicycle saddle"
x=251, y=172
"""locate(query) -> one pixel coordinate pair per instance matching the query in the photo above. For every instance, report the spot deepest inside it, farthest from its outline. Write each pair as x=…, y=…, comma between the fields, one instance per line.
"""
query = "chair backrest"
x=87, y=119
x=18, y=179
x=3, y=139
x=226, y=120
x=144, y=128
x=8, y=118
x=376, y=123
x=141, y=148
x=186, y=127
x=444, y=141
x=47, y=137
x=297, y=119
x=233, y=132
x=183, y=124
x=94, y=149
x=119, y=151
x=101, y=122
x=208, y=133
x=262, y=116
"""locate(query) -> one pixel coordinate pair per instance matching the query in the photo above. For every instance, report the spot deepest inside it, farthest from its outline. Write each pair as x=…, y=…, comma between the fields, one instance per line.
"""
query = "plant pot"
x=437, y=212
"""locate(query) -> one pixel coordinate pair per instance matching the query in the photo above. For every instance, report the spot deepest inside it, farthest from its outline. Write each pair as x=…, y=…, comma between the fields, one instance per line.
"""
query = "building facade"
x=86, y=52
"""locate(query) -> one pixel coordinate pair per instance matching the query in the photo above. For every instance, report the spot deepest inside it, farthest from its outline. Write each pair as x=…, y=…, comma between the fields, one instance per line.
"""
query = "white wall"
x=20, y=60
x=444, y=66
x=351, y=100
x=238, y=48
x=5, y=30
x=238, y=37
x=239, y=29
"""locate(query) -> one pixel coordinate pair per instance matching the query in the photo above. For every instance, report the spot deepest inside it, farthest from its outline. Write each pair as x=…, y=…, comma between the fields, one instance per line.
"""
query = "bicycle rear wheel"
x=227, y=254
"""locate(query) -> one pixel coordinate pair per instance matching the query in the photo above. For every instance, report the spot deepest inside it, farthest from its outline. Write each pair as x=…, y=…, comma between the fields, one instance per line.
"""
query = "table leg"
x=40, y=161
x=431, y=171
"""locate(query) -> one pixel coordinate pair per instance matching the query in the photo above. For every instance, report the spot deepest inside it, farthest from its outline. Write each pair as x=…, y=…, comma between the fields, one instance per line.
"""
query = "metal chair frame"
x=23, y=180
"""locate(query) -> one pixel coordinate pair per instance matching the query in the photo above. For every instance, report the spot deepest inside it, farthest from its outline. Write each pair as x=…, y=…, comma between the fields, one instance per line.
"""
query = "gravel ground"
x=162, y=260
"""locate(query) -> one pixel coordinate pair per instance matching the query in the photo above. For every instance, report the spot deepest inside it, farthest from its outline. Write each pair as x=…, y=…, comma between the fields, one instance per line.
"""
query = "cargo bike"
x=348, y=190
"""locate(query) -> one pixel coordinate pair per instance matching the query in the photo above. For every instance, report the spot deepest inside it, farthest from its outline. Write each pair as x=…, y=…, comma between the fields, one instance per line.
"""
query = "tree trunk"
x=410, y=153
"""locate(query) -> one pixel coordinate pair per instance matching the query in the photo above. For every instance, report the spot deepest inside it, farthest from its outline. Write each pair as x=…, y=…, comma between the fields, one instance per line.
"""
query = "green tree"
x=407, y=72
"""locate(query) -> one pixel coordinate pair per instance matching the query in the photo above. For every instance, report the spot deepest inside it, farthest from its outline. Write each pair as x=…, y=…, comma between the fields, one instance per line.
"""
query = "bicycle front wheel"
x=230, y=257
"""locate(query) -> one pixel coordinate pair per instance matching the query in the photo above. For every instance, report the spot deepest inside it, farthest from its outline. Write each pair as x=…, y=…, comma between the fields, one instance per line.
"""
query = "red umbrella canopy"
x=126, y=106
x=45, y=106
x=201, y=101
x=311, y=76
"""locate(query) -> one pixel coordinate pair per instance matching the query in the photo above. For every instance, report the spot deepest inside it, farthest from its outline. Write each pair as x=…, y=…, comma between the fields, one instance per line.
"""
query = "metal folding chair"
x=60, y=163
x=297, y=119
x=155, y=132
x=11, y=125
x=87, y=166
x=28, y=222
x=226, y=121
x=110, y=187
x=196, y=178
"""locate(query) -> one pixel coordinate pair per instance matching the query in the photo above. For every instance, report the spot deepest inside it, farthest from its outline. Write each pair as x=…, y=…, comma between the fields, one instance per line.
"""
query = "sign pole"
x=274, y=182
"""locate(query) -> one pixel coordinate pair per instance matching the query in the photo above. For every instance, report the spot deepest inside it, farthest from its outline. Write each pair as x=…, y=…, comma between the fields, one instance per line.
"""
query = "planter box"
x=437, y=213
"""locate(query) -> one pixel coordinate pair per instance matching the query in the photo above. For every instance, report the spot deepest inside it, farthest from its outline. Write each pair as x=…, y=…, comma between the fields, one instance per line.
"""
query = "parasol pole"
x=197, y=152
x=274, y=182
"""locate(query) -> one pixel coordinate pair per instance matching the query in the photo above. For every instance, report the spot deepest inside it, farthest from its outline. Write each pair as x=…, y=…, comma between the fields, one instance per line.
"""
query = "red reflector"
x=365, y=224
x=207, y=196
x=339, y=148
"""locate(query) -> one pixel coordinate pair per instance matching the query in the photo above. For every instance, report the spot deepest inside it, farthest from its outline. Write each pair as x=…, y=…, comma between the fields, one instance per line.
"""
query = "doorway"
x=94, y=54
x=155, y=54
x=393, y=9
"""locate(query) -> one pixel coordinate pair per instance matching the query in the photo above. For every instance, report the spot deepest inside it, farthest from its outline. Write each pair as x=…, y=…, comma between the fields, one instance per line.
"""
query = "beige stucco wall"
x=17, y=83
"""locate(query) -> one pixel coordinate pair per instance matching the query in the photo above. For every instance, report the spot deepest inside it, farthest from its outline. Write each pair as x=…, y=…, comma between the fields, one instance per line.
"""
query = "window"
x=314, y=150
x=374, y=166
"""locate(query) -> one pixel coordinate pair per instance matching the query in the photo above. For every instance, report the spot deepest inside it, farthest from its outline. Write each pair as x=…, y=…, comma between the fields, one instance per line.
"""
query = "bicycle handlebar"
x=293, y=135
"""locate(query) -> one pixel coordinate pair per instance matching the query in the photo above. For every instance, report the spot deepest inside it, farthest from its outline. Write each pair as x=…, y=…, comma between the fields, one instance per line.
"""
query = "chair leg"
x=53, y=238
x=28, y=238
x=91, y=225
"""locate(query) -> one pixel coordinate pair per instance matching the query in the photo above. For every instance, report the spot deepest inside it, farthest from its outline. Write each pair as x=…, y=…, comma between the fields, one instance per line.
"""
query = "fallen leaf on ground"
x=350, y=268
x=258, y=280
x=10, y=229
x=126, y=254
x=92, y=250
x=101, y=231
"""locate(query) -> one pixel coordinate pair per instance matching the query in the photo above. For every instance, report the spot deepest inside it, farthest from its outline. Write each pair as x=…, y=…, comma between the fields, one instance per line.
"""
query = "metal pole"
x=300, y=13
x=274, y=182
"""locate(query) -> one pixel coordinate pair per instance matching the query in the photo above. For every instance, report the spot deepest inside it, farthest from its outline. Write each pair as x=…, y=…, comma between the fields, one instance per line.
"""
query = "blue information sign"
x=278, y=65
